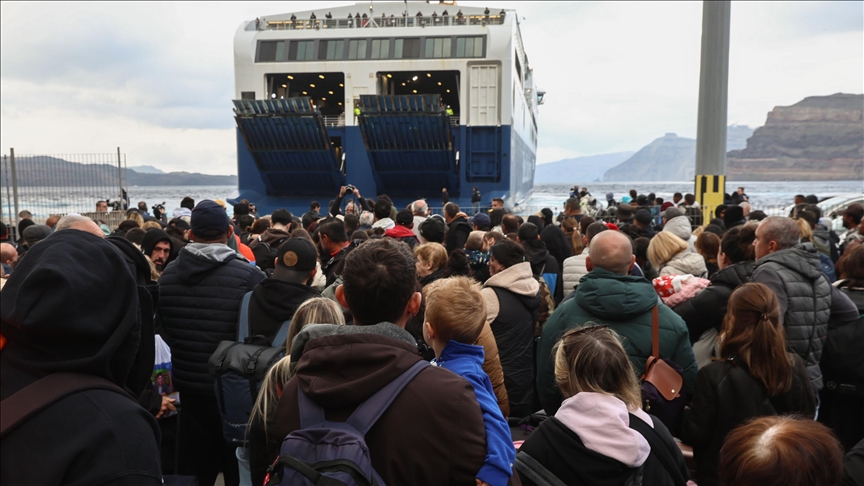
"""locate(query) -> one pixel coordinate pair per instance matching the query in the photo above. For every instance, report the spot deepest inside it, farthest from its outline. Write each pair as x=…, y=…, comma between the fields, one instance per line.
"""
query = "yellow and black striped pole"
x=713, y=91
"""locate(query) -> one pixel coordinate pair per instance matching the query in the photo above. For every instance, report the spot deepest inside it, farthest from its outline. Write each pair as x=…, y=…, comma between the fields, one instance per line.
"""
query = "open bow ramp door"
x=409, y=143
x=290, y=145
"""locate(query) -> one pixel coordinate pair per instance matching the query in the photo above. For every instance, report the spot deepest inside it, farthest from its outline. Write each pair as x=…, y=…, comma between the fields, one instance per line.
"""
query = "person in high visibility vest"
x=449, y=111
x=356, y=111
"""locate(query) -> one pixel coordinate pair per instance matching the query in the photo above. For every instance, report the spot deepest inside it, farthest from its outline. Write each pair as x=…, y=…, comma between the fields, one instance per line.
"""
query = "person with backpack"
x=199, y=304
x=542, y=263
x=512, y=298
x=275, y=299
x=600, y=434
x=458, y=228
x=265, y=246
x=72, y=365
x=429, y=427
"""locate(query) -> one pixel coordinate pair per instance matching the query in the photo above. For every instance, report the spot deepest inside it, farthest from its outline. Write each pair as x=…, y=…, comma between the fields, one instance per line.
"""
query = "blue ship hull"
x=404, y=148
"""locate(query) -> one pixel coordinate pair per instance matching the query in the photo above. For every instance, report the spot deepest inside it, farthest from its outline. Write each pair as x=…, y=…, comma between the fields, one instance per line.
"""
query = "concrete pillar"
x=713, y=93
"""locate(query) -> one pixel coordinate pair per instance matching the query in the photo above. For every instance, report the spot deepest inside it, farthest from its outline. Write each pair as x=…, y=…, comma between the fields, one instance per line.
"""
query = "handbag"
x=662, y=382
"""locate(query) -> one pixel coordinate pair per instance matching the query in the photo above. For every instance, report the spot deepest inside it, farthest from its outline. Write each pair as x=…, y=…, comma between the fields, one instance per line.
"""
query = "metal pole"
x=713, y=95
x=14, y=186
x=119, y=176
x=8, y=190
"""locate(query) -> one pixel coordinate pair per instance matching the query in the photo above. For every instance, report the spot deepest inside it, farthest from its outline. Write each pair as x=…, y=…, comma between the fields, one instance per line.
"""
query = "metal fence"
x=59, y=184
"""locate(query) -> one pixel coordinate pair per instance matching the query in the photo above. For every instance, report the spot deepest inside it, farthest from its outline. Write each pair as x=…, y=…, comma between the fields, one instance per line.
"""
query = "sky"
x=156, y=78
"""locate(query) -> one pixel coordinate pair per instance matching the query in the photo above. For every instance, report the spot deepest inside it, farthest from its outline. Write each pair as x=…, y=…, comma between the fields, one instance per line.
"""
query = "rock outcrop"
x=819, y=138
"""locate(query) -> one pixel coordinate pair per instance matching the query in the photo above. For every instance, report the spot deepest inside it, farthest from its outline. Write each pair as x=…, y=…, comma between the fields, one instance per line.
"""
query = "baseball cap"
x=297, y=254
x=433, y=229
x=672, y=212
x=482, y=221
x=209, y=220
x=404, y=218
x=625, y=213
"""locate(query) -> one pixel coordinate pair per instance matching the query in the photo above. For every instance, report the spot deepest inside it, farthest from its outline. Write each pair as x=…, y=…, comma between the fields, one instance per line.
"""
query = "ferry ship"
x=396, y=98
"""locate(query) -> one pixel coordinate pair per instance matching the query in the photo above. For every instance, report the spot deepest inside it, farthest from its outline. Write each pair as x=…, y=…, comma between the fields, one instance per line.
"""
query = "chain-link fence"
x=59, y=184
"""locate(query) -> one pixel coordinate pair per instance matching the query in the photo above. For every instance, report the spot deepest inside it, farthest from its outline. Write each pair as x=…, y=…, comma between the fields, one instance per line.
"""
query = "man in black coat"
x=458, y=228
x=159, y=247
x=199, y=303
x=275, y=299
x=56, y=319
x=542, y=263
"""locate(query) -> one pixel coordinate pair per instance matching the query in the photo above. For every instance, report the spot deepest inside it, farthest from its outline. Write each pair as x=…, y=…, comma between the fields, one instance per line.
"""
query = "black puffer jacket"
x=457, y=233
x=199, y=303
x=728, y=395
x=708, y=307
x=795, y=275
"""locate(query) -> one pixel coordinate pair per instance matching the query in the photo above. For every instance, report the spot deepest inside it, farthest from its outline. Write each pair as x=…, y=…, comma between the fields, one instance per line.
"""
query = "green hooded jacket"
x=624, y=303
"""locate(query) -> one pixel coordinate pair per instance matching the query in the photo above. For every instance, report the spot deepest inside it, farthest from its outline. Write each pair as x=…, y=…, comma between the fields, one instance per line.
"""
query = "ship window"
x=407, y=49
x=301, y=50
x=469, y=46
x=357, y=49
x=269, y=51
x=438, y=48
x=331, y=50
x=518, y=66
x=381, y=49
x=247, y=95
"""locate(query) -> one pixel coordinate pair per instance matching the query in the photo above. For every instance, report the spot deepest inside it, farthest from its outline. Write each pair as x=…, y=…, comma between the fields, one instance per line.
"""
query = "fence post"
x=14, y=184
x=8, y=190
x=119, y=175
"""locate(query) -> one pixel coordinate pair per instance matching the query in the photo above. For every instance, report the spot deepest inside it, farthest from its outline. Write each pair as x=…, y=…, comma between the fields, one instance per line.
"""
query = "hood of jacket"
x=602, y=423
x=615, y=297
x=272, y=236
x=385, y=223
x=802, y=258
x=687, y=262
x=56, y=318
x=152, y=237
x=734, y=275
x=517, y=279
x=342, y=366
x=680, y=227
x=399, y=232
x=536, y=253
x=279, y=299
x=197, y=260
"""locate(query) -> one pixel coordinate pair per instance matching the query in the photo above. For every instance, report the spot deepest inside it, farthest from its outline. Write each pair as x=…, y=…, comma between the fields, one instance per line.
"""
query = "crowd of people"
x=633, y=344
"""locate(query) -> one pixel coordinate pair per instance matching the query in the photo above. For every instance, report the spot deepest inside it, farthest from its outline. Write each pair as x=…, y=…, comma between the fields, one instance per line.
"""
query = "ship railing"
x=382, y=22
x=454, y=121
x=334, y=121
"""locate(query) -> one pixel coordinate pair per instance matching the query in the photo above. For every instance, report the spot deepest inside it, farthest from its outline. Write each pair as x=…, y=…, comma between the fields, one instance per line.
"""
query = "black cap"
x=209, y=220
x=404, y=218
x=643, y=216
x=297, y=254
x=625, y=213
x=433, y=229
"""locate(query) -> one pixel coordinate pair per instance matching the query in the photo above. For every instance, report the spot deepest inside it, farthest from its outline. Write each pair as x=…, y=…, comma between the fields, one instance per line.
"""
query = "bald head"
x=419, y=208
x=8, y=254
x=80, y=223
x=612, y=251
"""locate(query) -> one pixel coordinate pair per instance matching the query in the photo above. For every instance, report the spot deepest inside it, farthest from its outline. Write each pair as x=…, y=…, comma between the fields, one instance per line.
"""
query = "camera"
x=350, y=188
x=159, y=207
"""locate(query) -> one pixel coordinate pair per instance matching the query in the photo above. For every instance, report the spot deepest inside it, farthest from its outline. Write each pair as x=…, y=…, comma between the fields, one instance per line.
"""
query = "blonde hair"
x=456, y=309
x=698, y=231
x=591, y=359
x=663, y=247
x=151, y=224
x=475, y=241
x=319, y=310
x=806, y=230
x=433, y=253
x=571, y=228
x=136, y=216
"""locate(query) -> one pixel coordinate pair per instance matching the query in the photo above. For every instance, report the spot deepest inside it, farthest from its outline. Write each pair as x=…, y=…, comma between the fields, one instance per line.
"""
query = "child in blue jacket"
x=455, y=315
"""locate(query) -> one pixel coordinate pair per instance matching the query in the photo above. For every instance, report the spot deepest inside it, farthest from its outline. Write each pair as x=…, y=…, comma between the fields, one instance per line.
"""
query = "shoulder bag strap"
x=38, y=395
x=659, y=448
x=655, y=332
x=371, y=410
x=535, y=472
x=243, y=324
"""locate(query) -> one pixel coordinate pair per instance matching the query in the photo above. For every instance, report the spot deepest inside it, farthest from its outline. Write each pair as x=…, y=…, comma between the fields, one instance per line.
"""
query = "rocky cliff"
x=819, y=138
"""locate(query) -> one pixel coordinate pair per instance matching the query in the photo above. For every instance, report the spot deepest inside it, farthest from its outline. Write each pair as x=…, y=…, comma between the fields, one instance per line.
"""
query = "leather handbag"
x=662, y=382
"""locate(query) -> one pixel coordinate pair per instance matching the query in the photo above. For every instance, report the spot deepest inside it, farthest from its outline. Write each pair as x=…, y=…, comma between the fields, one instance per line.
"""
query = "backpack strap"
x=659, y=448
x=371, y=410
x=37, y=396
x=243, y=324
x=282, y=335
x=532, y=470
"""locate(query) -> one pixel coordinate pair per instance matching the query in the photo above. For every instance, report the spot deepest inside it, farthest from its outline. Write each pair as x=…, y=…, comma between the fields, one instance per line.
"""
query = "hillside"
x=821, y=135
x=585, y=169
x=669, y=158
x=55, y=172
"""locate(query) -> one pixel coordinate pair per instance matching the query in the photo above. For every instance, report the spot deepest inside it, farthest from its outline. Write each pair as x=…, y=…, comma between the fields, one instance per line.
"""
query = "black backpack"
x=239, y=368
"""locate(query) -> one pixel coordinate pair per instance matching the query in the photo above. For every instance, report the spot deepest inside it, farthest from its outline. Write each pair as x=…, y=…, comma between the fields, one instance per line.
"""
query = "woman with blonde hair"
x=670, y=255
x=318, y=310
x=756, y=377
x=134, y=215
x=570, y=227
x=431, y=262
x=600, y=435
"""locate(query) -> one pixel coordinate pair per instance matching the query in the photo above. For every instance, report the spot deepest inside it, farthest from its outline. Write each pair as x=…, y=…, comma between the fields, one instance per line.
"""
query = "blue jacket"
x=466, y=360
